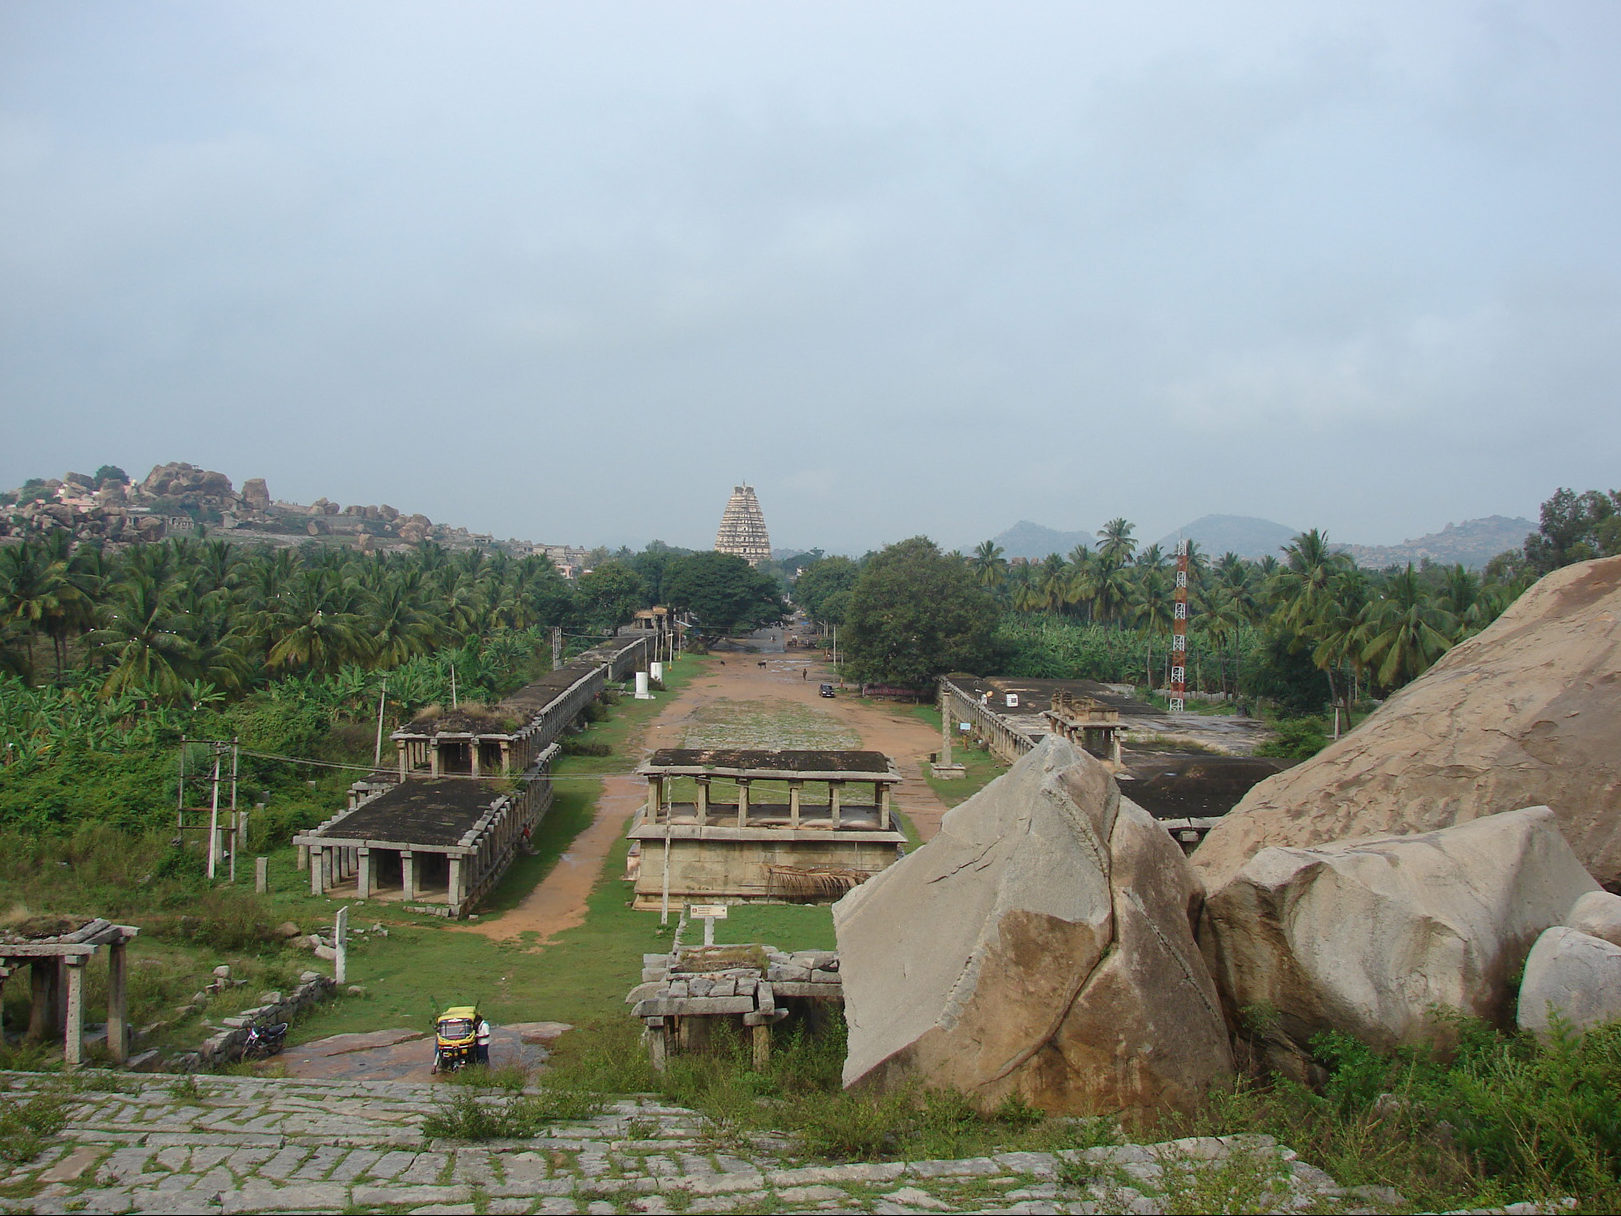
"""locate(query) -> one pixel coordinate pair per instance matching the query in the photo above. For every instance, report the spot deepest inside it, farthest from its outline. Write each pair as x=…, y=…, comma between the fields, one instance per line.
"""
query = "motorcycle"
x=263, y=1041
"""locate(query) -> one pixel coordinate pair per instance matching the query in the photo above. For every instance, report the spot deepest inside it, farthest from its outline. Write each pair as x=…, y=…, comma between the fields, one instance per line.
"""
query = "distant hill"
x=1244, y=535
x=1025, y=539
x=1472, y=544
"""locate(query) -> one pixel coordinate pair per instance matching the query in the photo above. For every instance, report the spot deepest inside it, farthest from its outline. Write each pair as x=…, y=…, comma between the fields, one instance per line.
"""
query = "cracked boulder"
x=1525, y=713
x=1039, y=946
x=1373, y=936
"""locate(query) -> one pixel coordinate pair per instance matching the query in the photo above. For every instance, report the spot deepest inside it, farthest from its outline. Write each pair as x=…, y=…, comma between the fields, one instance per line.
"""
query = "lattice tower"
x=742, y=528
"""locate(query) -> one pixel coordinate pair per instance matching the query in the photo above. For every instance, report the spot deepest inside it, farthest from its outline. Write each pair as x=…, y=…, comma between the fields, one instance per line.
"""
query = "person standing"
x=482, y=1038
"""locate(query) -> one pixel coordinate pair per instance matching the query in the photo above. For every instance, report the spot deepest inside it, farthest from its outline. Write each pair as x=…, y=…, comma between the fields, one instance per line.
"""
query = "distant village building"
x=742, y=528
x=734, y=825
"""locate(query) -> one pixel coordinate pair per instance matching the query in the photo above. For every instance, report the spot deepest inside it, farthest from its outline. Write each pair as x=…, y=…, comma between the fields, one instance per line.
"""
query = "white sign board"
x=707, y=911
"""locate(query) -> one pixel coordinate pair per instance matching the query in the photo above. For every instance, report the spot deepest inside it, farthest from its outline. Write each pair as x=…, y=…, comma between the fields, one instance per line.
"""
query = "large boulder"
x=1525, y=713
x=1571, y=977
x=1041, y=945
x=1371, y=936
x=256, y=493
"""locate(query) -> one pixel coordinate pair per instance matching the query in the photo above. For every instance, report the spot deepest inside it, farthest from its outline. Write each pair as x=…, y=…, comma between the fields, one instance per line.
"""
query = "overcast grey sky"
x=568, y=272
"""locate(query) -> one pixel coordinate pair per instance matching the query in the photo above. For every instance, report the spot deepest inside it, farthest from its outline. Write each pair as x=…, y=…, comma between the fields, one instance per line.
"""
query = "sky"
x=569, y=272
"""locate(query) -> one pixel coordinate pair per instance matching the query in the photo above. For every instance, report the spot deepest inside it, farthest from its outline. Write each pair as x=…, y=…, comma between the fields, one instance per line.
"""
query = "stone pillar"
x=303, y=855
x=835, y=793
x=408, y=874
x=453, y=892
x=399, y=753
x=795, y=789
x=117, y=1002
x=317, y=857
x=363, y=874
x=742, y=802
x=762, y=1047
x=506, y=755
x=73, y=1035
x=44, y=991
x=703, y=800
x=882, y=790
x=473, y=756
x=261, y=875
x=433, y=758
x=655, y=795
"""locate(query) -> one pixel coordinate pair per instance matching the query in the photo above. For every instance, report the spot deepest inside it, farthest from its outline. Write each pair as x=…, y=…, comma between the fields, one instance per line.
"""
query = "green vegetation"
x=916, y=613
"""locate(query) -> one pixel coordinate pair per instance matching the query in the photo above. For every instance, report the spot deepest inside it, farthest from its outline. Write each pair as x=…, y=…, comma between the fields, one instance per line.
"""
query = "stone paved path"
x=247, y=1144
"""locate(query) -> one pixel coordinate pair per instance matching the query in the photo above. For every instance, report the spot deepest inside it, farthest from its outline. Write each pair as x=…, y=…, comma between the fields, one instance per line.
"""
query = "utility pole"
x=214, y=817
x=382, y=699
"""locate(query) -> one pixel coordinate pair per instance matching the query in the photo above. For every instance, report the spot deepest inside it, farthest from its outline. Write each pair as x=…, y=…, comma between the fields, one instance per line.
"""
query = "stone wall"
x=225, y=1047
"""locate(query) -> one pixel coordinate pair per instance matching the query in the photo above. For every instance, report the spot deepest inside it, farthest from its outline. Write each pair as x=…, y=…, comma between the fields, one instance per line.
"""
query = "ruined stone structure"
x=1089, y=724
x=742, y=528
x=56, y=961
x=792, y=832
x=472, y=786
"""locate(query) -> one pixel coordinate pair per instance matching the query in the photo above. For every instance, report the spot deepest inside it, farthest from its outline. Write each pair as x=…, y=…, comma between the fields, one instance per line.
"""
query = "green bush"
x=1297, y=739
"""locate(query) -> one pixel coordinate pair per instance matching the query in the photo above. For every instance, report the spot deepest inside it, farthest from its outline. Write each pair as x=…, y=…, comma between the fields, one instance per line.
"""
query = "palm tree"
x=1408, y=632
x=1117, y=546
x=989, y=566
x=141, y=635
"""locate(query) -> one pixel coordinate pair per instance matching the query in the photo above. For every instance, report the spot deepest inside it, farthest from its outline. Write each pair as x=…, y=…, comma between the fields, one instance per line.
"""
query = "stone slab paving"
x=148, y=1143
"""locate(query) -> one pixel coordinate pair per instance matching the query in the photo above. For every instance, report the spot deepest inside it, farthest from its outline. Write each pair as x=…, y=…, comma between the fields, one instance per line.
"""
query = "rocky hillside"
x=178, y=498
x=1472, y=543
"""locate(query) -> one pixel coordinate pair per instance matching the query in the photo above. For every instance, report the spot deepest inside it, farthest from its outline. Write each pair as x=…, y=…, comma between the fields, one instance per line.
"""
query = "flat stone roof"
x=434, y=811
x=748, y=762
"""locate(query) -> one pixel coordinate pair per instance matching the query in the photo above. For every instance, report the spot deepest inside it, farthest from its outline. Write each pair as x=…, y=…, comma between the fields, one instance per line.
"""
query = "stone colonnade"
x=738, y=812
x=1005, y=740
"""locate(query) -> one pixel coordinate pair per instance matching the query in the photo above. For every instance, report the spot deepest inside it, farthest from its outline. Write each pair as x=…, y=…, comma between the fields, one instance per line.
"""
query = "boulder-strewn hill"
x=1472, y=543
x=176, y=498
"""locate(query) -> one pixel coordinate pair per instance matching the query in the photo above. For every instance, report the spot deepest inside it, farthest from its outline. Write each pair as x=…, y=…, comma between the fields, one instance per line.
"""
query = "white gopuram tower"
x=742, y=528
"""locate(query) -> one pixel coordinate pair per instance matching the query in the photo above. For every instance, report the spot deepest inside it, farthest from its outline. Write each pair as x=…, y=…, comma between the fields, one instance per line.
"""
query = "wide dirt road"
x=772, y=694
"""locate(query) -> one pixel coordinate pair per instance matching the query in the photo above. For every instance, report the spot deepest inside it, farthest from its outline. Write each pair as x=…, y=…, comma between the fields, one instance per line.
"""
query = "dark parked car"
x=826, y=690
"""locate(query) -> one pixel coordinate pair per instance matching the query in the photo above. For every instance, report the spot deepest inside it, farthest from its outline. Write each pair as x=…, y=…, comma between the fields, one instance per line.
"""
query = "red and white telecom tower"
x=1179, y=632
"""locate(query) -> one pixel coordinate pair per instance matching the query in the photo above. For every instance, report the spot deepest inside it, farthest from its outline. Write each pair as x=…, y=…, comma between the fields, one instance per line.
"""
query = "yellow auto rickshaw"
x=455, y=1033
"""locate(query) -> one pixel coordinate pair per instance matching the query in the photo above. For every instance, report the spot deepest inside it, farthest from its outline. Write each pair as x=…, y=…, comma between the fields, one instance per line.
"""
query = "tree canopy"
x=916, y=613
x=725, y=593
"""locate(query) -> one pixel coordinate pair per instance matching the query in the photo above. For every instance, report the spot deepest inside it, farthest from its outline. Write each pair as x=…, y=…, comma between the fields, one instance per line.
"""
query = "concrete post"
x=73, y=1036
x=261, y=874
x=340, y=946
x=117, y=1002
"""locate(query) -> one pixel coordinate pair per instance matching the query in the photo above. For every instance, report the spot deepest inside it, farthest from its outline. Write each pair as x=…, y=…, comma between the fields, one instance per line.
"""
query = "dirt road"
x=771, y=687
